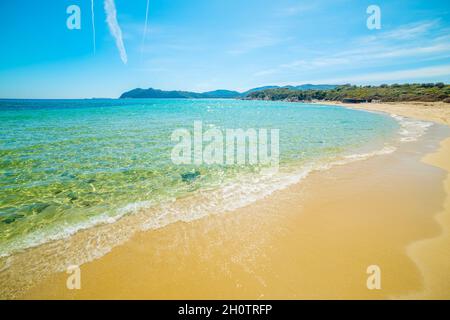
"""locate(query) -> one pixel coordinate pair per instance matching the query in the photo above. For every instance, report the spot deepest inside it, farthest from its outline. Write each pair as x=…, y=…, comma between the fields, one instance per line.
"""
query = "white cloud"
x=406, y=32
x=378, y=51
x=144, y=35
x=417, y=73
x=93, y=26
x=114, y=28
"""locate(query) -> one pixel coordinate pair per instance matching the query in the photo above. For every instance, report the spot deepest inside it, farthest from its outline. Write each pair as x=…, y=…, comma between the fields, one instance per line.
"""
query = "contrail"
x=145, y=29
x=93, y=25
x=114, y=28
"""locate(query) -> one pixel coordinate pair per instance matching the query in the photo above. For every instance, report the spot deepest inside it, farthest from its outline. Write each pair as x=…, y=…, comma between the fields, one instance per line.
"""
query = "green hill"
x=426, y=92
x=161, y=94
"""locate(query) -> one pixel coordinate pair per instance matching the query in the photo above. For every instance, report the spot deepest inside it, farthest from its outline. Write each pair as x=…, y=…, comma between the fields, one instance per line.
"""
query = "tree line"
x=426, y=92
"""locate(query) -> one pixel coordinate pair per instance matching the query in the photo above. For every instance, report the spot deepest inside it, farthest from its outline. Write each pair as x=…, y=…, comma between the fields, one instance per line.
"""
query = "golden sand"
x=431, y=255
x=311, y=240
x=432, y=111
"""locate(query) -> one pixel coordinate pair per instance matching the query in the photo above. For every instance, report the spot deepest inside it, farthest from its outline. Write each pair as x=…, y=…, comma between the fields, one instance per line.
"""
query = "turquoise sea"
x=67, y=165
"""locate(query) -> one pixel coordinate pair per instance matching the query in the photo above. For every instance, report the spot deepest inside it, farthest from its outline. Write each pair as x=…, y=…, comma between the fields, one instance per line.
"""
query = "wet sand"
x=438, y=112
x=311, y=240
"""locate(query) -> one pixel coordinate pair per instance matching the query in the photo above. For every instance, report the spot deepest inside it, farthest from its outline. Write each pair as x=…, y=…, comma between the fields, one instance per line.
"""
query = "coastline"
x=291, y=244
x=438, y=112
x=429, y=254
x=184, y=153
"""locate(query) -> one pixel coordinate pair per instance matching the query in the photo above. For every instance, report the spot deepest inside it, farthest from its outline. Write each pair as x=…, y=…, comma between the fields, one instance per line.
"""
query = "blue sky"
x=203, y=45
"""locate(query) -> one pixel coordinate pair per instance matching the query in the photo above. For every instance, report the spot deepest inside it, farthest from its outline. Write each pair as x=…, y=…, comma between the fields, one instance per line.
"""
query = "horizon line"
x=241, y=92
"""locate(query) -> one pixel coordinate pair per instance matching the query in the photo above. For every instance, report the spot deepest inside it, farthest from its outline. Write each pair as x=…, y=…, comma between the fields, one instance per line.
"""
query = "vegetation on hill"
x=300, y=87
x=426, y=92
x=161, y=94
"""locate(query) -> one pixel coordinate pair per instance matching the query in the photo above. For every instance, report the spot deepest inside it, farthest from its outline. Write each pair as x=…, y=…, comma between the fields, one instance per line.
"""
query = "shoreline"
x=54, y=288
x=423, y=252
x=438, y=112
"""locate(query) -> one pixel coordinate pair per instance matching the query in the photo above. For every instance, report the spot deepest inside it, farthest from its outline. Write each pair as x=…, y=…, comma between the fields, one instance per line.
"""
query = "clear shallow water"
x=71, y=164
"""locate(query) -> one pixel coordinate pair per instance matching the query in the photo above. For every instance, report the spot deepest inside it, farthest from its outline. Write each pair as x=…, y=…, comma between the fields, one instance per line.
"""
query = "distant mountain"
x=301, y=87
x=259, y=89
x=161, y=94
x=221, y=94
x=155, y=93
x=313, y=87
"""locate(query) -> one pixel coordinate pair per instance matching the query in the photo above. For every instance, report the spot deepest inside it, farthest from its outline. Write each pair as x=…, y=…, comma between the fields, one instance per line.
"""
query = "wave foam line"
x=411, y=129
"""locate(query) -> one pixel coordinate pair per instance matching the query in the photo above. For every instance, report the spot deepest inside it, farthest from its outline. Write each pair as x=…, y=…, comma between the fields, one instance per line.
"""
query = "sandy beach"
x=178, y=150
x=430, y=255
x=438, y=112
x=314, y=239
